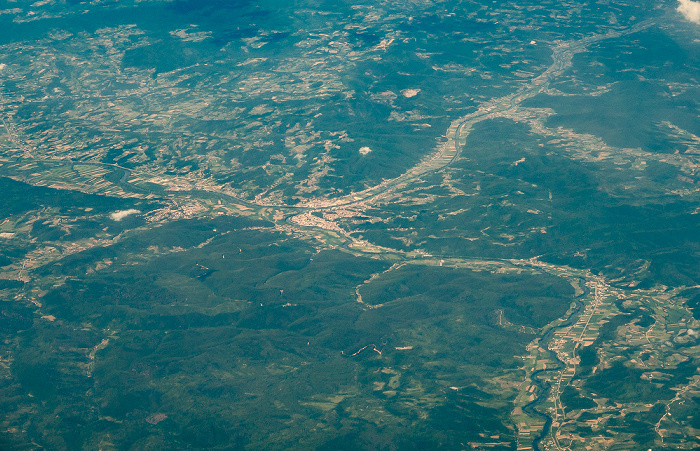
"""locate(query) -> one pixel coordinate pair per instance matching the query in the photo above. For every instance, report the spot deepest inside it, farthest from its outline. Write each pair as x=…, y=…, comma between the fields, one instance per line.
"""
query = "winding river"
x=444, y=156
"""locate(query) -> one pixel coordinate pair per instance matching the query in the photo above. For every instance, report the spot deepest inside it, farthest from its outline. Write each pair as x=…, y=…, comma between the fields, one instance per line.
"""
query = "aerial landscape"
x=369, y=225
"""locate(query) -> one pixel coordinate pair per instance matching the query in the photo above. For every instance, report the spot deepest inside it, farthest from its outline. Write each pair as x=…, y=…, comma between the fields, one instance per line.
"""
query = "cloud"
x=690, y=10
x=121, y=214
x=410, y=92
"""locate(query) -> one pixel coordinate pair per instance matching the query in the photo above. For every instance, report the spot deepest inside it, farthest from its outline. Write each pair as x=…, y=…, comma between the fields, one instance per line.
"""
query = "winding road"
x=544, y=386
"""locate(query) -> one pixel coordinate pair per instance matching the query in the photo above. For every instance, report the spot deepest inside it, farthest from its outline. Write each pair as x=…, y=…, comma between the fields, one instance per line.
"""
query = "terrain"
x=380, y=225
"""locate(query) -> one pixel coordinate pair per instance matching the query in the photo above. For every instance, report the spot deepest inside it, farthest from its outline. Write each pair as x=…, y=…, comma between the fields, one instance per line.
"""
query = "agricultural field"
x=349, y=225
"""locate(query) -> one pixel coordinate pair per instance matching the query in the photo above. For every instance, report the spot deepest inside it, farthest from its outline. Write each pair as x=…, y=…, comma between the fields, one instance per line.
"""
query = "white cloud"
x=121, y=214
x=690, y=10
x=365, y=150
x=410, y=92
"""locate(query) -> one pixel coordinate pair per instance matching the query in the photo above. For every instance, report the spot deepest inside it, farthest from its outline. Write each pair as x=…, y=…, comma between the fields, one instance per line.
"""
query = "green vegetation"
x=349, y=225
